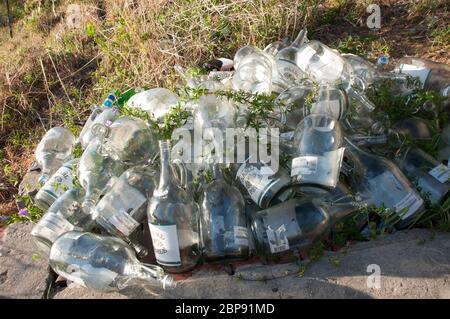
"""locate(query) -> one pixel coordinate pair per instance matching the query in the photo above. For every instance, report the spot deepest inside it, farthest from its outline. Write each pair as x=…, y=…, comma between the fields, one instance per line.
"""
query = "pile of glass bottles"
x=136, y=206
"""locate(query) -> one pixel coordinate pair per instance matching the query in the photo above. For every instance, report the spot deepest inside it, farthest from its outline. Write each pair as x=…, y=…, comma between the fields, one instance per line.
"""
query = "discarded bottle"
x=368, y=72
x=330, y=101
x=104, y=117
x=319, y=152
x=254, y=72
x=99, y=114
x=103, y=263
x=265, y=187
x=156, y=102
x=287, y=71
x=297, y=223
x=64, y=215
x=53, y=151
x=123, y=208
x=223, y=226
x=128, y=139
x=57, y=185
x=431, y=176
x=432, y=75
x=322, y=64
x=382, y=183
x=173, y=219
x=95, y=170
x=274, y=47
x=290, y=108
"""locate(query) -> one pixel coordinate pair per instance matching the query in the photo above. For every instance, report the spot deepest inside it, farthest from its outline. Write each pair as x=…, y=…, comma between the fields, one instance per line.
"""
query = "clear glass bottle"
x=323, y=64
x=368, y=72
x=57, y=185
x=330, y=101
x=254, y=73
x=106, y=116
x=156, y=102
x=432, y=75
x=95, y=171
x=318, y=150
x=64, y=215
x=173, y=218
x=274, y=47
x=53, y=151
x=123, y=208
x=103, y=263
x=297, y=223
x=431, y=176
x=291, y=107
x=85, y=135
x=286, y=68
x=128, y=139
x=382, y=183
x=223, y=224
x=264, y=186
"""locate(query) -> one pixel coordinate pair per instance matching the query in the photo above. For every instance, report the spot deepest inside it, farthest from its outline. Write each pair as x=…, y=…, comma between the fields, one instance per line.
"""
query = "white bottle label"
x=256, y=181
x=123, y=222
x=240, y=236
x=441, y=173
x=416, y=71
x=126, y=201
x=322, y=170
x=165, y=244
x=408, y=205
x=60, y=182
x=304, y=165
x=278, y=241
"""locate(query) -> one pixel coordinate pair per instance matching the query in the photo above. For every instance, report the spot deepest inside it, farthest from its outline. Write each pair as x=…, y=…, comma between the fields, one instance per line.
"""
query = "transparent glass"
x=95, y=170
x=330, y=101
x=264, y=186
x=156, y=102
x=369, y=72
x=53, y=151
x=297, y=223
x=103, y=263
x=128, y=139
x=173, y=218
x=382, y=183
x=433, y=75
x=287, y=73
x=430, y=175
x=123, y=208
x=318, y=150
x=254, y=73
x=64, y=215
x=322, y=64
x=223, y=224
x=104, y=117
x=58, y=183
x=290, y=108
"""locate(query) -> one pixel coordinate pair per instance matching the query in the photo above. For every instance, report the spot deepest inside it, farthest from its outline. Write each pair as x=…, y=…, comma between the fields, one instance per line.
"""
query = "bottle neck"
x=164, y=153
x=300, y=39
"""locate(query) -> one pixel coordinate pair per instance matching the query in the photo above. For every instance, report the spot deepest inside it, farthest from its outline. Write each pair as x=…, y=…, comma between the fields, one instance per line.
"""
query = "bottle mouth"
x=164, y=145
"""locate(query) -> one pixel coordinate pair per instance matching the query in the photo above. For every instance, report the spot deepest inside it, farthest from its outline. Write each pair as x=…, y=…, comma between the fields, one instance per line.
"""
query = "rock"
x=23, y=269
x=412, y=264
